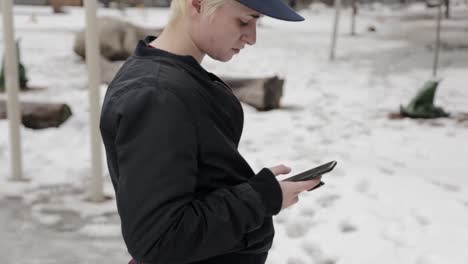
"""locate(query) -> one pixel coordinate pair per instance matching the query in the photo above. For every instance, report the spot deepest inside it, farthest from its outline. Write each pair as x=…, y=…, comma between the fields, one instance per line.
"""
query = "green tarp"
x=422, y=106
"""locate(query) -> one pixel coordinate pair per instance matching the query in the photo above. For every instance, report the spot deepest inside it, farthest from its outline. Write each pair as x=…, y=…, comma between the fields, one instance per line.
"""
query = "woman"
x=171, y=131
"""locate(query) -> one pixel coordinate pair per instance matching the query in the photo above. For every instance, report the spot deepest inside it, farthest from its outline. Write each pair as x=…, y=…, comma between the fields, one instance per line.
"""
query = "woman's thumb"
x=280, y=169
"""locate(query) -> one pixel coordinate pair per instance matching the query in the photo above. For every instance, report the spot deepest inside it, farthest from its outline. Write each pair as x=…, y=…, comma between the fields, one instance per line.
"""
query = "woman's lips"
x=236, y=50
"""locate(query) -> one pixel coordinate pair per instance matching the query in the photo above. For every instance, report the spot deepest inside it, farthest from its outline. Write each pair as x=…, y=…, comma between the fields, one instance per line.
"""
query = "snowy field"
x=399, y=194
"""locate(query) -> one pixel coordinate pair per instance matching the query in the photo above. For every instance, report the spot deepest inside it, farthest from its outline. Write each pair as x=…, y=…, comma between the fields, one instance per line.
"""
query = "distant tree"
x=447, y=8
x=436, y=3
x=292, y=3
x=353, y=16
x=106, y=3
x=335, y=29
x=57, y=6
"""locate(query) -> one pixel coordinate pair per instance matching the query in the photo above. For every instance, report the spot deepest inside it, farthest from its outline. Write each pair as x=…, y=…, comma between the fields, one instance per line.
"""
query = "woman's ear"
x=195, y=6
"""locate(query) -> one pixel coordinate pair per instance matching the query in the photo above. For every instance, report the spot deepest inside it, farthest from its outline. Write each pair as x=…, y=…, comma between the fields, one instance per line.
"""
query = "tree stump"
x=40, y=115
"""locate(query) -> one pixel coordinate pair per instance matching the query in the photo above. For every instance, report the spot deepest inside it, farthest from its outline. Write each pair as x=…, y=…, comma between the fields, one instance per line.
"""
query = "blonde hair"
x=179, y=8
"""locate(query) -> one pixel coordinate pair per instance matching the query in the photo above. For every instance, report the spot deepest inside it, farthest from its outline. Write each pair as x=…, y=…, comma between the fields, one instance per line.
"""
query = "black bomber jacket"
x=184, y=193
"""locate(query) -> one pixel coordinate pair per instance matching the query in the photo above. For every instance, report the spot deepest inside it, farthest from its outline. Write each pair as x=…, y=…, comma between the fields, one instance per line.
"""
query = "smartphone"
x=312, y=173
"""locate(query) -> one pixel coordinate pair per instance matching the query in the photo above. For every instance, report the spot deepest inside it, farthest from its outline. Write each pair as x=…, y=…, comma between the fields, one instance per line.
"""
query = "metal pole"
x=335, y=28
x=447, y=8
x=92, y=60
x=353, y=17
x=12, y=88
x=437, y=44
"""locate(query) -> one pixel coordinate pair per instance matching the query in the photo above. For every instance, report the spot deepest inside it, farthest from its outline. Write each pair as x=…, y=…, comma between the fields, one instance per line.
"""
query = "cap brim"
x=273, y=8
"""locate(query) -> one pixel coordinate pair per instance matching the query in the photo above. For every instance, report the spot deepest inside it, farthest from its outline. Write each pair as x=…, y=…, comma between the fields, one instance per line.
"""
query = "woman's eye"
x=243, y=23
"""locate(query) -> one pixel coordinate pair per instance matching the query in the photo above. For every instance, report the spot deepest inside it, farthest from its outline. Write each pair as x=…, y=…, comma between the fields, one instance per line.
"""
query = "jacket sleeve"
x=163, y=219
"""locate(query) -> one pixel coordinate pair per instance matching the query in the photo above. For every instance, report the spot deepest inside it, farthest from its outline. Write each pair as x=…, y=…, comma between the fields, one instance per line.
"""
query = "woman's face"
x=227, y=31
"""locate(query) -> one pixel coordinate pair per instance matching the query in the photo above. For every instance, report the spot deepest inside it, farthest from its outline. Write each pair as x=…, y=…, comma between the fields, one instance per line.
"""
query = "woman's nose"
x=250, y=35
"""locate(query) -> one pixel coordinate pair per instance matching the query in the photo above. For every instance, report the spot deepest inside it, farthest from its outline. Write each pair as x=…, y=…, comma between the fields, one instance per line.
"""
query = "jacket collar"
x=142, y=50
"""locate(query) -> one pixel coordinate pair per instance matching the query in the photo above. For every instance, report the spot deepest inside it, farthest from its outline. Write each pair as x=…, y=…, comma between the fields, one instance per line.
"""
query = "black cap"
x=273, y=8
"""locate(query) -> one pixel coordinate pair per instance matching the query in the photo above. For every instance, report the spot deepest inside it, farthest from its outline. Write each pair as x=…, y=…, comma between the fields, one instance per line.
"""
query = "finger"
x=293, y=200
x=280, y=169
x=317, y=186
x=296, y=199
x=306, y=185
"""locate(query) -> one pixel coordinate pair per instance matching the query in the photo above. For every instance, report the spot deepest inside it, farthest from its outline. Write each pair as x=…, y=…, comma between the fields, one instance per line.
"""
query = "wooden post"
x=92, y=60
x=447, y=8
x=335, y=29
x=12, y=88
x=437, y=42
x=353, y=17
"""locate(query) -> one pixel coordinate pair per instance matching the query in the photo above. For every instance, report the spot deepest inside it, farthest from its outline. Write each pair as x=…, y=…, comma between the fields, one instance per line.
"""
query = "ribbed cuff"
x=266, y=184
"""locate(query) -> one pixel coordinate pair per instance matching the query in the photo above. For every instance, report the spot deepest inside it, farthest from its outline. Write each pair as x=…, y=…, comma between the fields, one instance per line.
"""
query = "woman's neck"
x=176, y=39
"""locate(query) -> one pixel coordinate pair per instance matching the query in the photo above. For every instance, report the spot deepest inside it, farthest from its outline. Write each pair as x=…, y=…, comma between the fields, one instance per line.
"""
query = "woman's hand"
x=291, y=190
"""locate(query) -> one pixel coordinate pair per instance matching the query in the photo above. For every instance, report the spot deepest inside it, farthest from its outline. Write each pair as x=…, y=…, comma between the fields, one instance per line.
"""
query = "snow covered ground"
x=399, y=193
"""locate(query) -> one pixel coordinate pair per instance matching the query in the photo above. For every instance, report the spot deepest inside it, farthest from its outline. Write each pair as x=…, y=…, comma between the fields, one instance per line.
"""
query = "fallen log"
x=40, y=115
x=117, y=38
x=109, y=69
x=262, y=93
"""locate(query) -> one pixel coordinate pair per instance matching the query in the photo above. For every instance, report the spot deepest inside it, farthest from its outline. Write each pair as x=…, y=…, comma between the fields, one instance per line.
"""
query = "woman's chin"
x=223, y=58
x=226, y=59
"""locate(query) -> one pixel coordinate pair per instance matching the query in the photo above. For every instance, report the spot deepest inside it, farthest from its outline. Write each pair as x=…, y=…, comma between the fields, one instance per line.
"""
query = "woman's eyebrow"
x=256, y=15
